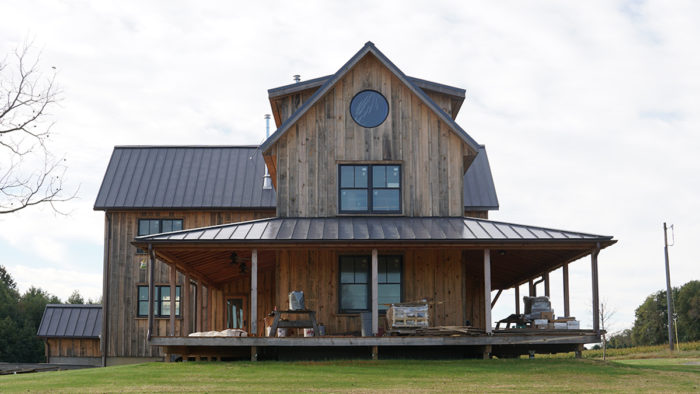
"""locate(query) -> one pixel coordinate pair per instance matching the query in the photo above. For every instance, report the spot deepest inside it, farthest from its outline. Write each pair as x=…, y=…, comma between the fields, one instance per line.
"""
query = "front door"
x=236, y=312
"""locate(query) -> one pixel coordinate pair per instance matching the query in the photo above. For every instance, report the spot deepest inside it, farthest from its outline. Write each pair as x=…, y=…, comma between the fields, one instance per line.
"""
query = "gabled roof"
x=71, y=321
x=222, y=177
x=330, y=82
x=373, y=229
x=185, y=177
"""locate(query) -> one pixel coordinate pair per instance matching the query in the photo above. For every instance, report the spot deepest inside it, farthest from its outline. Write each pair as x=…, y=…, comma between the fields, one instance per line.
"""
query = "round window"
x=369, y=108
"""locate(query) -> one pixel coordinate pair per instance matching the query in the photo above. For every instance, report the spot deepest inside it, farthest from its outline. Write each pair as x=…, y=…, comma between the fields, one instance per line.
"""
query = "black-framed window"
x=369, y=188
x=157, y=226
x=161, y=305
x=354, y=283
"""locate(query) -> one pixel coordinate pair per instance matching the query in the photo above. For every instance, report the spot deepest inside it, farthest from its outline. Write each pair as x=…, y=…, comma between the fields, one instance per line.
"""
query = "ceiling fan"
x=235, y=259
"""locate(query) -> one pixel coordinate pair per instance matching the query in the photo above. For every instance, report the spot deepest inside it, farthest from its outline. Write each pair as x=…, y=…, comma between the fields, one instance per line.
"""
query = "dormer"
x=368, y=140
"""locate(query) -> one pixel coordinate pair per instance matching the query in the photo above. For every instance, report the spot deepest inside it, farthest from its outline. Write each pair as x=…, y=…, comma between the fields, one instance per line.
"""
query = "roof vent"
x=267, y=180
x=297, y=78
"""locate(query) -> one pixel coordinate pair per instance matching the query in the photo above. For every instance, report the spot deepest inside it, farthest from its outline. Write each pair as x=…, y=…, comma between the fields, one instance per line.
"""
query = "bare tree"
x=29, y=173
x=606, y=314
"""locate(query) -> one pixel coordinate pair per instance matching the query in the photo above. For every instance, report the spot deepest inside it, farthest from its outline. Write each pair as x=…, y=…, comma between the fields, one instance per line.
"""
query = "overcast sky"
x=589, y=111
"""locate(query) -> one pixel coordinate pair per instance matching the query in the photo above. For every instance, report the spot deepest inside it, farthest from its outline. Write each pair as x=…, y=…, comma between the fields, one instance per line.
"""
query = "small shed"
x=71, y=334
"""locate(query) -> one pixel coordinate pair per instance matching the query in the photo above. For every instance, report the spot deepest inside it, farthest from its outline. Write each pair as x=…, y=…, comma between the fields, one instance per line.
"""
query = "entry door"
x=236, y=313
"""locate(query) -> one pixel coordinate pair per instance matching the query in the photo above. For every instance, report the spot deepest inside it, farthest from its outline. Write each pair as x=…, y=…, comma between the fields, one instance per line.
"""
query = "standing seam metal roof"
x=71, y=321
x=374, y=229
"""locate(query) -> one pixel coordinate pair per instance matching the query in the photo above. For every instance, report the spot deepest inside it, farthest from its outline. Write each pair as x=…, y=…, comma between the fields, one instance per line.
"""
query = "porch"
x=460, y=265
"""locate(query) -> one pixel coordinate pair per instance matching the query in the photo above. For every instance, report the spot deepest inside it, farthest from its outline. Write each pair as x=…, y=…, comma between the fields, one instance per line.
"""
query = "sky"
x=589, y=112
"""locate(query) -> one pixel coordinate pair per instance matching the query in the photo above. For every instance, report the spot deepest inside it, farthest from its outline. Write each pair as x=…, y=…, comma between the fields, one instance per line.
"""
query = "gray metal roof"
x=316, y=82
x=372, y=229
x=369, y=48
x=71, y=321
x=185, y=177
x=222, y=177
x=479, y=189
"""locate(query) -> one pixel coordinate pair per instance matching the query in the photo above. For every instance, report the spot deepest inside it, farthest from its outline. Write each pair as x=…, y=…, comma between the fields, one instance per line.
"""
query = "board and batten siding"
x=448, y=279
x=126, y=332
x=307, y=155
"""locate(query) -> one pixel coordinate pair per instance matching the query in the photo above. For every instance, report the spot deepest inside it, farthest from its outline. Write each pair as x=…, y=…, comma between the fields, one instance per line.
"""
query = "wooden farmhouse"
x=367, y=195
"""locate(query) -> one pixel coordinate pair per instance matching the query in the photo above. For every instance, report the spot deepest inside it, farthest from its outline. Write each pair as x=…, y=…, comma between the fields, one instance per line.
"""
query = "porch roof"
x=374, y=229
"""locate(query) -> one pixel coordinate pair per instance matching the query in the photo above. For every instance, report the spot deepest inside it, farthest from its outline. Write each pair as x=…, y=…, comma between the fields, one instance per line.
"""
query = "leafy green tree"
x=650, y=323
x=75, y=298
x=621, y=339
x=688, y=310
x=9, y=296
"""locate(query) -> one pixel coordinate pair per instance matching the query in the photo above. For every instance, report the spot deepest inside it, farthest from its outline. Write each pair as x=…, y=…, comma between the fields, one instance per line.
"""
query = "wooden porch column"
x=198, y=325
x=532, y=289
x=254, y=293
x=594, y=281
x=375, y=289
x=565, y=274
x=517, y=299
x=151, y=289
x=546, y=283
x=186, y=306
x=173, y=292
x=487, y=290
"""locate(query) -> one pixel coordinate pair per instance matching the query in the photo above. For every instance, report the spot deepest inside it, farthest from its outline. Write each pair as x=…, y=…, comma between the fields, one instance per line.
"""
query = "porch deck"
x=502, y=343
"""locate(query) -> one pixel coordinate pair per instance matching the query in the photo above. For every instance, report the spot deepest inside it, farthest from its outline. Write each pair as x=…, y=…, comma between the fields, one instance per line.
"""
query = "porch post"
x=375, y=289
x=151, y=289
x=173, y=292
x=533, y=289
x=546, y=283
x=594, y=281
x=186, y=306
x=487, y=290
x=565, y=273
x=254, y=293
x=198, y=325
x=517, y=299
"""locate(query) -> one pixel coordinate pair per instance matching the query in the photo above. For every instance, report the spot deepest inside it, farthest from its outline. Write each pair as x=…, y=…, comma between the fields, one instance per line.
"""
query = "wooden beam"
x=487, y=290
x=375, y=289
x=517, y=300
x=594, y=282
x=498, y=294
x=254, y=293
x=209, y=321
x=532, y=289
x=198, y=307
x=151, y=289
x=186, y=306
x=546, y=283
x=173, y=280
x=565, y=274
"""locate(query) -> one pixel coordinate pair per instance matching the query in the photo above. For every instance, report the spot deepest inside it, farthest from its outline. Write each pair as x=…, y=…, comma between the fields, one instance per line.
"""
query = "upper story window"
x=370, y=188
x=157, y=226
x=369, y=108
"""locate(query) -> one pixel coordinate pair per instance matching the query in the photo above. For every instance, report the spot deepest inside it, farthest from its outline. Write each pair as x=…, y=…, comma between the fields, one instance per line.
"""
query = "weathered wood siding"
x=73, y=347
x=448, y=278
x=431, y=155
x=127, y=332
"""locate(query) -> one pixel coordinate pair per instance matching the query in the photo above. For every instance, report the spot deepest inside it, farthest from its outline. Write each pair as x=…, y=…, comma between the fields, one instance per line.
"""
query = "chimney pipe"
x=297, y=78
x=267, y=180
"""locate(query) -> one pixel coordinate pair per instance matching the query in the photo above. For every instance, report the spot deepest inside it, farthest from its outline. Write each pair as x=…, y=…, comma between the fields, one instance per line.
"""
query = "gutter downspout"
x=105, y=290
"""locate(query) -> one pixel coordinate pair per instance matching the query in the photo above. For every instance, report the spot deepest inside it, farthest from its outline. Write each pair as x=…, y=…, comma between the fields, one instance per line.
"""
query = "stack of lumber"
x=448, y=331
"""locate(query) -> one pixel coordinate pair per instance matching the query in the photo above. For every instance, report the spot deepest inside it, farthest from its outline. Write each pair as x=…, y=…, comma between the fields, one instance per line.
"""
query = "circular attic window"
x=369, y=108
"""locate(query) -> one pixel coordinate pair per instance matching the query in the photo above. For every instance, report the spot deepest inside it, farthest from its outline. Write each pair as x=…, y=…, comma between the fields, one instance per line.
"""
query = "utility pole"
x=669, y=304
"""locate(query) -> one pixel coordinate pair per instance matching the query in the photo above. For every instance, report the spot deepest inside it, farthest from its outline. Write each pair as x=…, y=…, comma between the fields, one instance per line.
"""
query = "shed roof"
x=223, y=177
x=330, y=82
x=71, y=321
x=373, y=229
x=185, y=177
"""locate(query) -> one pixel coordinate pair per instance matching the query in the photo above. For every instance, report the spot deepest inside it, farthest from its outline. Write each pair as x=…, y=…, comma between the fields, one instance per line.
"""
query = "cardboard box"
x=540, y=322
x=573, y=325
x=547, y=315
x=560, y=326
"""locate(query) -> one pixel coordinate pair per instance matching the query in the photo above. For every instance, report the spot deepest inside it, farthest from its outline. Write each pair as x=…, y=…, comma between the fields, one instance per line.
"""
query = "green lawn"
x=553, y=375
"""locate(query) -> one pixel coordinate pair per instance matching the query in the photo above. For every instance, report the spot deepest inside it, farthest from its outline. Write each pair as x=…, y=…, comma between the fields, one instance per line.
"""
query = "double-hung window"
x=161, y=304
x=369, y=188
x=355, y=283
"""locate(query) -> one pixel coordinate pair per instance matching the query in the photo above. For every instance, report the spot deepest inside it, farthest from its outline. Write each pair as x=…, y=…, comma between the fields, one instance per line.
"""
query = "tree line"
x=651, y=319
x=20, y=316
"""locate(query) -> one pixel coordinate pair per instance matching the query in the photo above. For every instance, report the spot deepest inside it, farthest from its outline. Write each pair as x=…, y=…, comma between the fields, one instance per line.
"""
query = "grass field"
x=675, y=374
